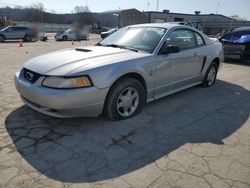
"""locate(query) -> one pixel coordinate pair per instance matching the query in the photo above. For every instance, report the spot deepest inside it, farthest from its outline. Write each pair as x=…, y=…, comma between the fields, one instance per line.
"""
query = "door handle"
x=196, y=54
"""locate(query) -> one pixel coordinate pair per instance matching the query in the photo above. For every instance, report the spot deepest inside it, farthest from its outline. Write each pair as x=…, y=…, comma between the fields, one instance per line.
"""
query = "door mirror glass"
x=167, y=49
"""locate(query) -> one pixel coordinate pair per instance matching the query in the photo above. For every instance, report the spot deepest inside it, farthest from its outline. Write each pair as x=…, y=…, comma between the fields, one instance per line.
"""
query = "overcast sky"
x=226, y=7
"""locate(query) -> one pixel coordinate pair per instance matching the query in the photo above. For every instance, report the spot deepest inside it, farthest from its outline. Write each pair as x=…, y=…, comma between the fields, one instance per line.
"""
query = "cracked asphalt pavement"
x=199, y=137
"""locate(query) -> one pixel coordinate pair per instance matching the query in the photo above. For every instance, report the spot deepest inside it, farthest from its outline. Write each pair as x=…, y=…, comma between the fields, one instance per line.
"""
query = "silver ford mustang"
x=135, y=65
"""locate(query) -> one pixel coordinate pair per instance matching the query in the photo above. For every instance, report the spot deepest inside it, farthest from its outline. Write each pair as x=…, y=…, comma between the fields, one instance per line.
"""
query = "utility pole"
x=218, y=6
x=157, y=8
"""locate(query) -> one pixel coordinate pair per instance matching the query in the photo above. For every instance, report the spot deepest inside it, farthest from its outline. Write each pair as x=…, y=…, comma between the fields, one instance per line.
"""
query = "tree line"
x=36, y=12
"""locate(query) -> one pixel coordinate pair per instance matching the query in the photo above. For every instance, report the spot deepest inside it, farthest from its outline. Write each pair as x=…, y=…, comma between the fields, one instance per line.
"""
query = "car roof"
x=167, y=25
x=173, y=25
x=17, y=26
x=242, y=29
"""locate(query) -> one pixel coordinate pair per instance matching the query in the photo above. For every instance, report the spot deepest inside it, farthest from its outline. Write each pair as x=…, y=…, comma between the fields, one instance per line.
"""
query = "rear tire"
x=210, y=76
x=125, y=99
x=27, y=38
x=2, y=39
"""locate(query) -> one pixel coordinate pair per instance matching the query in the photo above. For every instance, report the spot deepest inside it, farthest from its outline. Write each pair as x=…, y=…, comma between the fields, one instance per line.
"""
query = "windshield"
x=242, y=29
x=140, y=38
x=110, y=30
x=4, y=28
x=68, y=31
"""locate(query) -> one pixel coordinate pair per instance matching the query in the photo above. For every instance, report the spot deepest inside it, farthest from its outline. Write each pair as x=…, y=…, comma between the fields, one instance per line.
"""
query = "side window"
x=15, y=29
x=22, y=28
x=182, y=38
x=199, y=39
x=9, y=29
x=19, y=28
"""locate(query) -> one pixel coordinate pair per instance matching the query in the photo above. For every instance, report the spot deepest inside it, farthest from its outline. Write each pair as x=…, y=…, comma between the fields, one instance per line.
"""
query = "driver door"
x=72, y=35
x=177, y=70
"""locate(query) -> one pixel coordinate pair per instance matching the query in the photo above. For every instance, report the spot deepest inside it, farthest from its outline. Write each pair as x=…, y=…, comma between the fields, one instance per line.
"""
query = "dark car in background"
x=196, y=25
x=237, y=44
x=107, y=33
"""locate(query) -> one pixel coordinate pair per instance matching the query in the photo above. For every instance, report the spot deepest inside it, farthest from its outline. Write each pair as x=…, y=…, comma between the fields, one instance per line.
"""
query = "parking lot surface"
x=199, y=137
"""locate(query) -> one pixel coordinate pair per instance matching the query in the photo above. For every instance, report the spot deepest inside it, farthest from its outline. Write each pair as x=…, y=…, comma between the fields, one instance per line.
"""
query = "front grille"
x=233, y=47
x=31, y=76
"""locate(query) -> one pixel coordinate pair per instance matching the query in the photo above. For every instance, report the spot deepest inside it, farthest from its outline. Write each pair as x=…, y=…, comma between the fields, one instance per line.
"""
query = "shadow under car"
x=95, y=149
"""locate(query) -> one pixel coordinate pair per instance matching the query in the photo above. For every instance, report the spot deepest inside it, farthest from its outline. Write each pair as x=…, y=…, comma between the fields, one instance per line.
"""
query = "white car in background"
x=71, y=34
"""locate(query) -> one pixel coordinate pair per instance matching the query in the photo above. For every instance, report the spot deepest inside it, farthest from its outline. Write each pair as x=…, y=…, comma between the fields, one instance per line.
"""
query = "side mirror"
x=167, y=49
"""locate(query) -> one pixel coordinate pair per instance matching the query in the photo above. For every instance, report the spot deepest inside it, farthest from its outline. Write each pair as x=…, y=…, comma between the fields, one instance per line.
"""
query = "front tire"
x=211, y=75
x=64, y=38
x=125, y=99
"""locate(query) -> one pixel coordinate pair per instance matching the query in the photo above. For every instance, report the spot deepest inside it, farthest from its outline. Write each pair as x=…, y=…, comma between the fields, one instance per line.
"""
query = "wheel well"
x=135, y=76
x=217, y=61
x=2, y=36
x=129, y=75
x=27, y=35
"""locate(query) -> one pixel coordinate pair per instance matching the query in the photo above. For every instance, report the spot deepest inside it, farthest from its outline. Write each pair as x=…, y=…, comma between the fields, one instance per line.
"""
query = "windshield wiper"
x=99, y=44
x=122, y=47
x=108, y=45
x=130, y=48
x=113, y=45
x=118, y=46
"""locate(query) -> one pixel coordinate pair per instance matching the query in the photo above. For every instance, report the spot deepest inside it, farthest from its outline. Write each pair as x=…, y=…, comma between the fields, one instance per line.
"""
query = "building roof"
x=118, y=11
x=187, y=14
x=168, y=13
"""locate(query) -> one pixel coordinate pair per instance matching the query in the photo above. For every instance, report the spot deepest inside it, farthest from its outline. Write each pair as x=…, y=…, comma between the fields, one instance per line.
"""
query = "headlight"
x=244, y=47
x=66, y=82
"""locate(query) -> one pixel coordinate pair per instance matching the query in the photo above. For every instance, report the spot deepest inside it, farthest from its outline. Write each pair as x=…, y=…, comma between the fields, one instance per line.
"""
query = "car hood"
x=107, y=32
x=236, y=38
x=61, y=63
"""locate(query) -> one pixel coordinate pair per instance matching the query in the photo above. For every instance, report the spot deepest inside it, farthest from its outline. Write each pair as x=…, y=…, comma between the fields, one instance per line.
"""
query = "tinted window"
x=236, y=34
x=199, y=39
x=245, y=32
x=19, y=28
x=184, y=39
x=9, y=29
x=242, y=29
x=68, y=31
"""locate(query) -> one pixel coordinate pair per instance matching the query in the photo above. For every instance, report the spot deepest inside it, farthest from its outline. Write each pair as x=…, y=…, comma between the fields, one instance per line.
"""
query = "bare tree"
x=83, y=15
x=38, y=6
x=238, y=18
x=35, y=12
x=18, y=7
x=81, y=9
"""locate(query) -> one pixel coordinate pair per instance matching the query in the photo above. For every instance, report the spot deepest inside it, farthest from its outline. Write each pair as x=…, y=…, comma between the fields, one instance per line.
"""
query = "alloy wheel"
x=127, y=102
x=211, y=76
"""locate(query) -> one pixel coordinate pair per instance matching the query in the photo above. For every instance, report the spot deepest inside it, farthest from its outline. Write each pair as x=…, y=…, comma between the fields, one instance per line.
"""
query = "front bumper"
x=63, y=103
x=58, y=37
x=237, y=51
x=104, y=35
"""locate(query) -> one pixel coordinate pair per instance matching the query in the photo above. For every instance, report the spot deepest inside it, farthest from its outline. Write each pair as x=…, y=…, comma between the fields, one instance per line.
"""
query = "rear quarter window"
x=199, y=39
